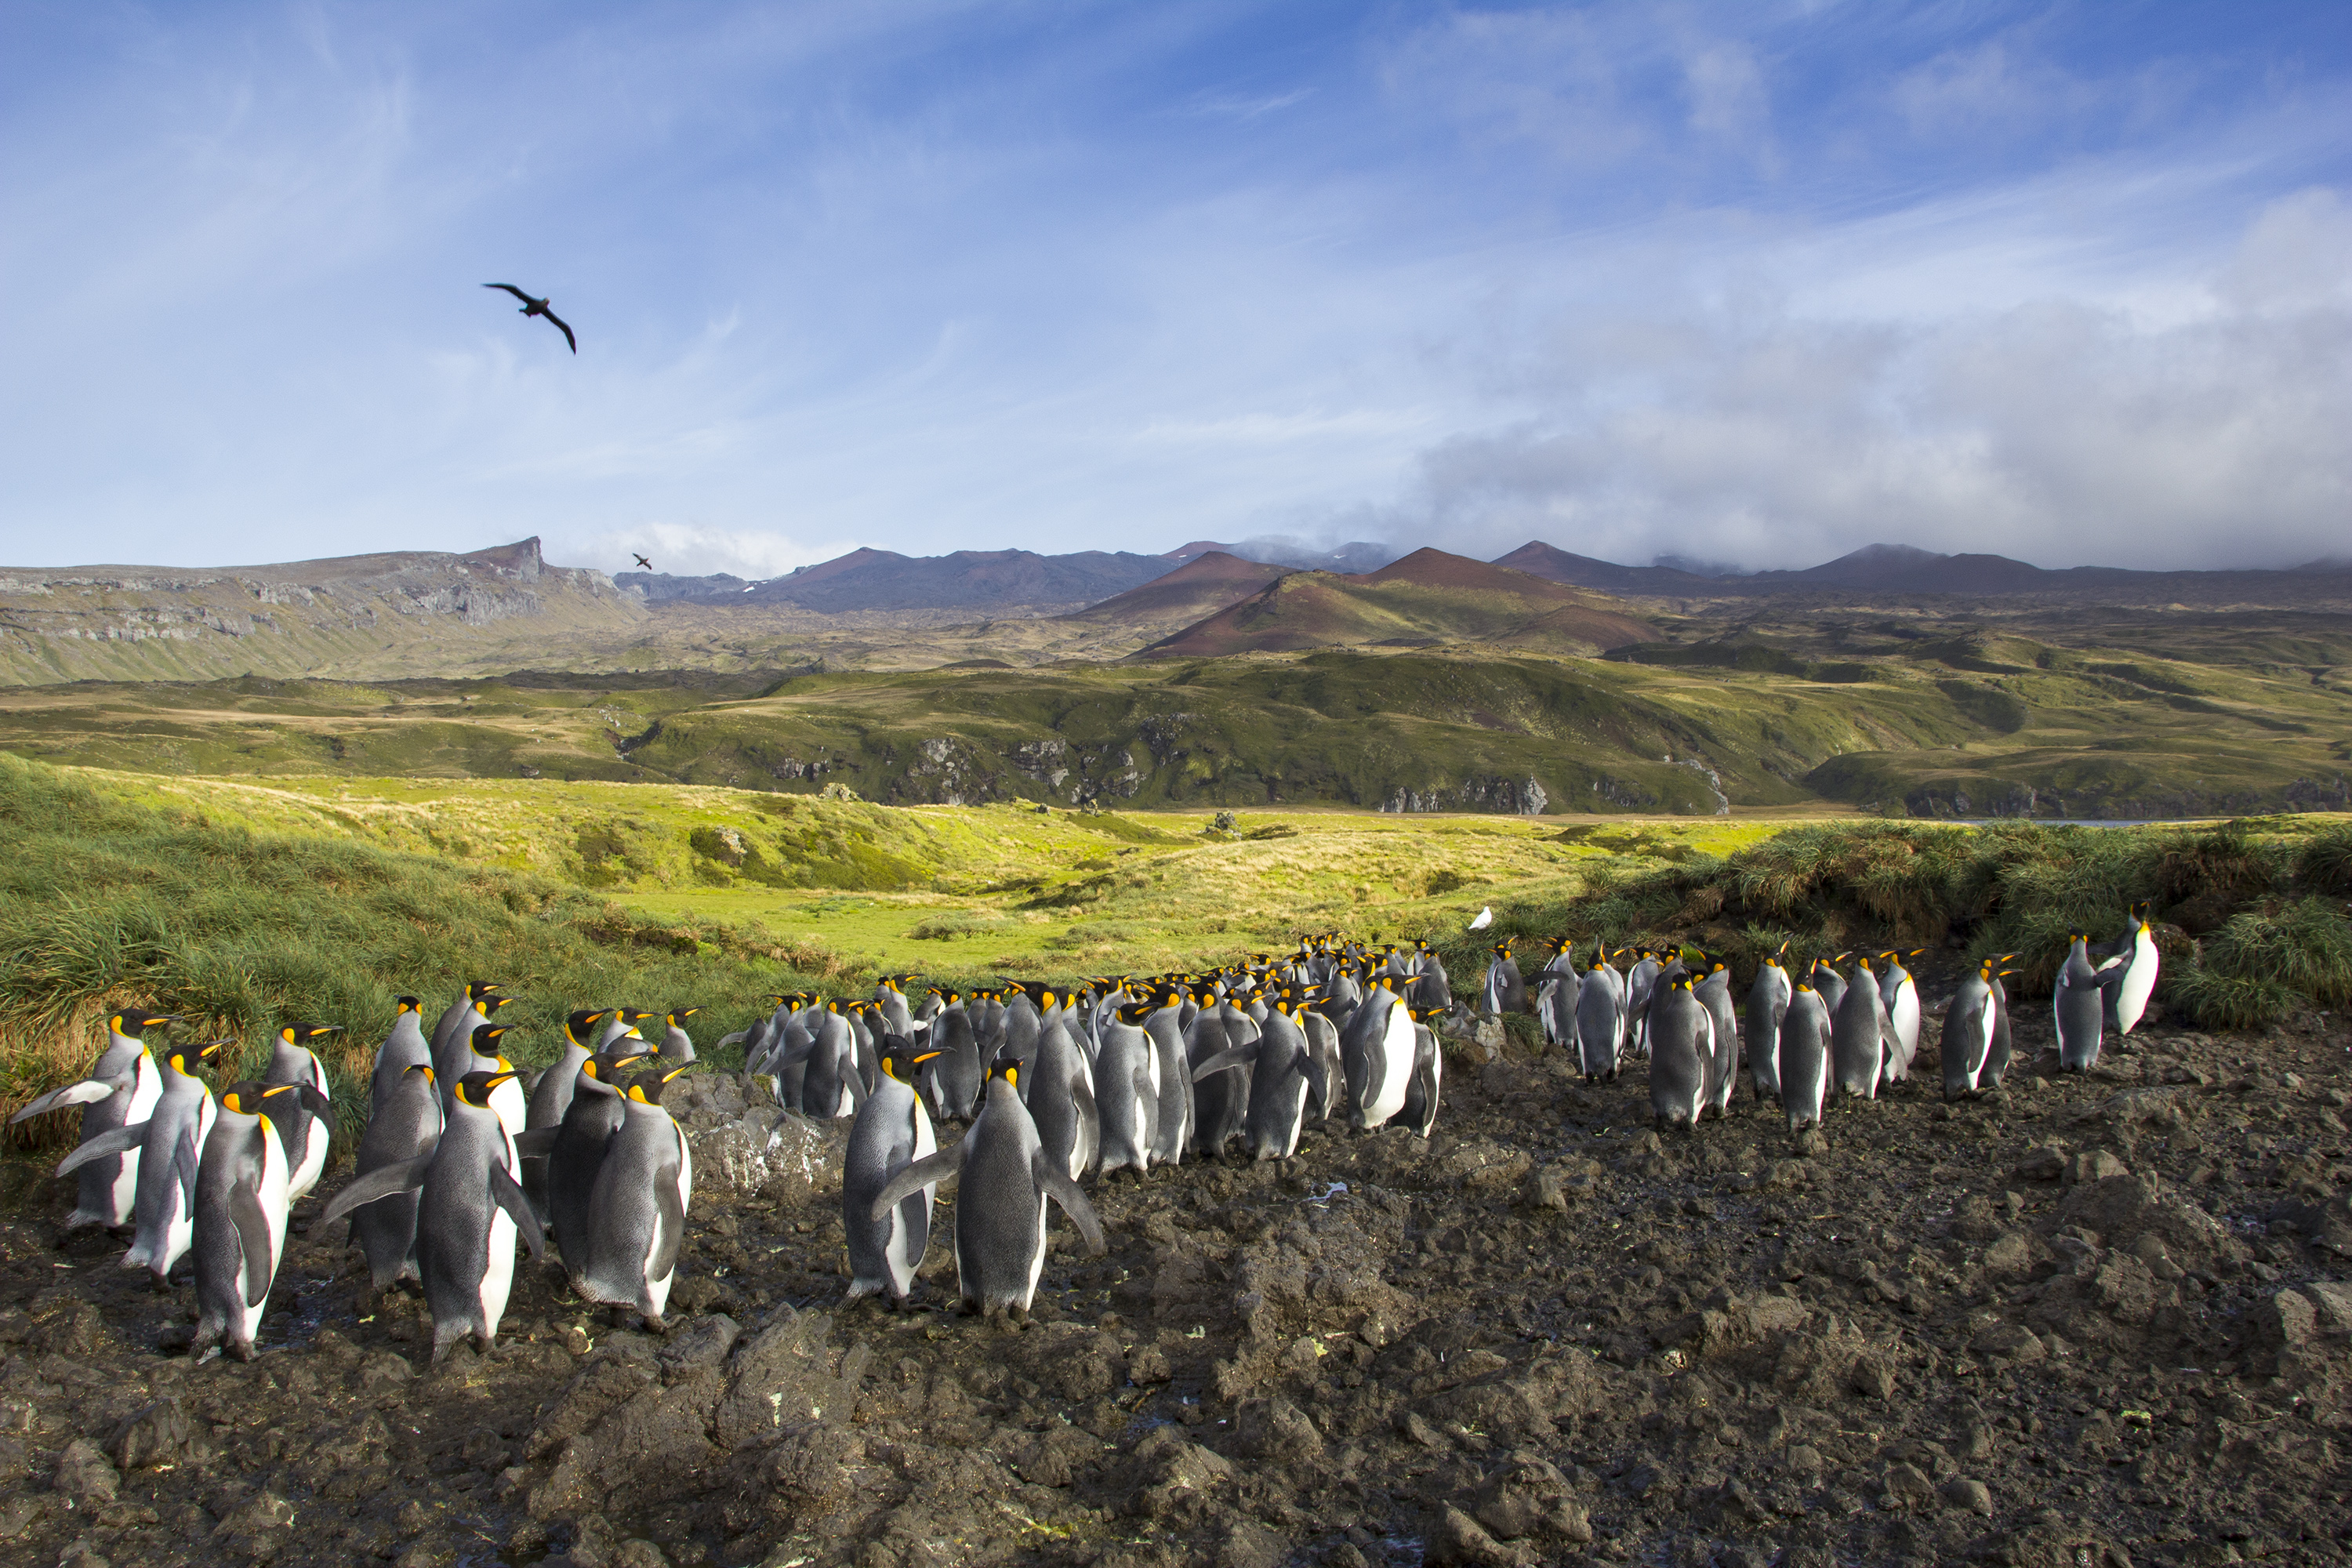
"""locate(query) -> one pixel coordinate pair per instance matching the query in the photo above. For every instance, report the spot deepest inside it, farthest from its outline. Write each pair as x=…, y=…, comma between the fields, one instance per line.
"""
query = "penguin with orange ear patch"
x=242, y=1193
x=891, y=1133
x=636, y=1217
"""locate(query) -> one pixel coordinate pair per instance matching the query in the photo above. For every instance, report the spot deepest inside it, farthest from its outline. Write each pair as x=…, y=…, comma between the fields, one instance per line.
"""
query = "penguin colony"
x=462, y=1160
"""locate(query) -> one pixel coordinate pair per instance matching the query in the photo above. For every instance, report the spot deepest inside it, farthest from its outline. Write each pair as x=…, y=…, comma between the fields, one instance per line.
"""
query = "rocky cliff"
x=355, y=617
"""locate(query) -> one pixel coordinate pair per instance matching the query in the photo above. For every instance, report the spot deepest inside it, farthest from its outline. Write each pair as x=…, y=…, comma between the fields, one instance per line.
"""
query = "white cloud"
x=2065, y=430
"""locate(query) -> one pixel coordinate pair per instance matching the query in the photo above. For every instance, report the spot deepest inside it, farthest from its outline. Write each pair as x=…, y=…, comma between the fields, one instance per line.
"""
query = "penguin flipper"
x=536, y=1141
x=913, y=1178
x=121, y=1141
x=1239, y=1057
x=509, y=1197
x=315, y=1103
x=88, y=1093
x=1065, y=1192
x=253, y=1238
x=384, y=1182
x=187, y=1160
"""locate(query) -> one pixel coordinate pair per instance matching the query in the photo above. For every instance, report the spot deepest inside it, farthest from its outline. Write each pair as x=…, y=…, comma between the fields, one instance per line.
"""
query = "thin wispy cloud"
x=1735, y=282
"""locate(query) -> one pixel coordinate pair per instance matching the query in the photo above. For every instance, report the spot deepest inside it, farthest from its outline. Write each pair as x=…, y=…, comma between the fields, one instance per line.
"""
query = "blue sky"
x=1748, y=283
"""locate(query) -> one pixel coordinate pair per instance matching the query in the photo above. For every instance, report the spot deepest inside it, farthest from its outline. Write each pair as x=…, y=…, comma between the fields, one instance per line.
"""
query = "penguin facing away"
x=636, y=1217
x=469, y=1213
x=1682, y=1045
x=1005, y=1178
x=405, y=1126
x=242, y=1193
x=575, y=1151
x=1283, y=1073
x=891, y=1133
x=1968, y=1034
x=550, y=1097
x=1858, y=1037
x=171, y=1152
x=1172, y=1127
x=1127, y=1090
x=1804, y=1064
x=1600, y=1019
x=1061, y=1098
x=1714, y=992
x=2078, y=1005
x=405, y=1048
x=1506, y=990
x=120, y=1089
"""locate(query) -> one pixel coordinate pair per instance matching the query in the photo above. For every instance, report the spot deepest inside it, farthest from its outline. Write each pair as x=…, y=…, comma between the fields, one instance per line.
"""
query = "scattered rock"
x=84, y=1476
x=159, y=1434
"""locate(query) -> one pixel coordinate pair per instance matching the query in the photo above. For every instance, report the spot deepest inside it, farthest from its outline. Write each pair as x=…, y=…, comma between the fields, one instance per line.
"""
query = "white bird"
x=1486, y=918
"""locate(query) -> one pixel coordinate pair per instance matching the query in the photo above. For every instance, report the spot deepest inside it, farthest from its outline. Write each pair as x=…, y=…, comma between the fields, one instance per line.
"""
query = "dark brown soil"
x=2083, y=1322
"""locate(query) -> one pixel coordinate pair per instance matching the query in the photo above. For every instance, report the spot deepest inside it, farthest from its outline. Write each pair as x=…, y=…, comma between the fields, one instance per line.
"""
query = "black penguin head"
x=474, y=1088
x=484, y=1039
x=901, y=1057
x=646, y=1090
x=406, y=1004
x=1007, y=1067
x=424, y=1068
x=605, y=1066
x=1134, y=1013
x=245, y=1097
x=303, y=1034
x=488, y=1006
x=577, y=1026
x=677, y=1016
x=480, y=989
x=210, y=1054
x=131, y=1022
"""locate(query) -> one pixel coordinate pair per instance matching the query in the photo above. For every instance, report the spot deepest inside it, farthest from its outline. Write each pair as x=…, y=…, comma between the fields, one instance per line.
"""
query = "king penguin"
x=676, y=1047
x=2078, y=1006
x=1900, y=994
x=458, y=1024
x=1283, y=1074
x=1505, y=991
x=470, y=1211
x=1600, y=1018
x=405, y=1126
x=575, y=1154
x=405, y=1048
x=1682, y=1044
x=1061, y=1095
x=120, y=1089
x=1803, y=1065
x=1377, y=1051
x=550, y=1097
x=1723, y=1059
x=1968, y=1034
x=891, y=1133
x=171, y=1144
x=1424, y=1089
x=1172, y=1125
x=1126, y=1089
x=1003, y=1180
x=2127, y=998
x=637, y=1218
x=1767, y=1002
x=1858, y=1035
x=306, y=1123
x=242, y=1193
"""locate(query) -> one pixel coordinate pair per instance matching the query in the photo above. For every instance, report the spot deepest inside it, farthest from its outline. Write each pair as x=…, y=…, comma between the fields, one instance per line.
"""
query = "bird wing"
x=567, y=331
x=513, y=290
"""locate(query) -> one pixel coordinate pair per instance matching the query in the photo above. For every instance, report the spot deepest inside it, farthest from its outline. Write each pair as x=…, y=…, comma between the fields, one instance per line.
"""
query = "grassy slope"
x=107, y=899
x=2146, y=715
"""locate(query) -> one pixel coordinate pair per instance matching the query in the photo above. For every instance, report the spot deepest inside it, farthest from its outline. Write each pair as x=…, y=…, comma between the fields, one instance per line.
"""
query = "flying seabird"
x=531, y=307
x=641, y=561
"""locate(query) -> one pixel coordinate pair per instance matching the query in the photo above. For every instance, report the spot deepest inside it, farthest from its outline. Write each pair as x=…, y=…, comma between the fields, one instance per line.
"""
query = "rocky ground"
x=2093, y=1320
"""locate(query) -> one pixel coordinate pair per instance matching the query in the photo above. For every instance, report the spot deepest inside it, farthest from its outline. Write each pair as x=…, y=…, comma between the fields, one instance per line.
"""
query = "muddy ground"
x=2085, y=1321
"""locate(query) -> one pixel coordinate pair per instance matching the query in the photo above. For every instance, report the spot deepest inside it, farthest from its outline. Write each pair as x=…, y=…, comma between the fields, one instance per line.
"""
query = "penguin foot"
x=655, y=1323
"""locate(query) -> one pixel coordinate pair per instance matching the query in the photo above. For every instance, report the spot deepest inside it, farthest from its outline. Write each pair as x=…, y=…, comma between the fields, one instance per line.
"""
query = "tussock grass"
x=106, y=902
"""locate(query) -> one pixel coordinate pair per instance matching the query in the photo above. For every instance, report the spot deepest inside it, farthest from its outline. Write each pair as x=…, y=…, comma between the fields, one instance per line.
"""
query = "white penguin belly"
x=513, y=1110
x=123, y=1198
x=272, y=1194
x=1388, y=1097
x=2137, y=985
x=1036, y=1257
x=498, y=1271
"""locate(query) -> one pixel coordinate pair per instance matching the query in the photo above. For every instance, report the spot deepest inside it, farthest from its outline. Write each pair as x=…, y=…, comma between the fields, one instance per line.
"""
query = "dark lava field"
x=2086, y=1321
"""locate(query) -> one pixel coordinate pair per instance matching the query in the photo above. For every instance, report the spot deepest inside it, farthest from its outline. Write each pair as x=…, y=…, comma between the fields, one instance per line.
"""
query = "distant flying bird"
x=531, y=307
x=641, y=561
